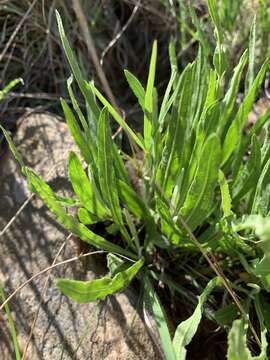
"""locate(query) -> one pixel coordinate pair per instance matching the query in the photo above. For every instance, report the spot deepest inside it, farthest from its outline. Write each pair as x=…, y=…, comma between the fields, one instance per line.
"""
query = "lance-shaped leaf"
x=83, y=188
x=172, y=54
x=172, y=156
x=90, y=130
x=9, y=87
x=148, y=105
x=219, y=58
x=250, y=173
x=261, y=195
x=87, y=93
x=87, y=291
x=199, y=199
x=77, y=133
x=230, y=98
x=225, y=194
x=167, y=100
x=136, y=87
x=251, y=55
x=85, y=217
x=200, y=35
x=198, y=89
x=69, y=222
x=12, y=147
x=117, y=117
x=152, y=305
x=188, y=328
x=237, y=343
x=107, y=178
x=265, y=152
x=212, y=6
x=76, y=105
x=133, y=202
x=11, y=324
x=234, y=133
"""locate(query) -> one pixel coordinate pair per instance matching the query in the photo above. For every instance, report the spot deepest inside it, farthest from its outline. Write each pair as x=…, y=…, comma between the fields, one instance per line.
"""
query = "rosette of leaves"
x=199, y=172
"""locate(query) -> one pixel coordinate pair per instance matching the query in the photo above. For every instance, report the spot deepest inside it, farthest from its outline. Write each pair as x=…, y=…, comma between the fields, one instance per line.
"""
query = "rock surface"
x=104, y=330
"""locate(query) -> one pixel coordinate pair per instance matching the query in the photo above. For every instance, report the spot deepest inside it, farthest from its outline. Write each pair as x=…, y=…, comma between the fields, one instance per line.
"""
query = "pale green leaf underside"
x=188, y=328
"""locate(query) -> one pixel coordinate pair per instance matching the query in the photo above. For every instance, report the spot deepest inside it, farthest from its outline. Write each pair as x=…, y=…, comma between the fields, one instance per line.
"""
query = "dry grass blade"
x=28, y=200
x=11, y=221
x=120, y=33
x=92, y=51
x=15, y=32
x=42, y=299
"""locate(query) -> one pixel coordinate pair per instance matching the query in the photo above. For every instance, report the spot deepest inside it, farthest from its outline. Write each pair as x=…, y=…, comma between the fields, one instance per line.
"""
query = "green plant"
x=11, y=324
x=199, y=200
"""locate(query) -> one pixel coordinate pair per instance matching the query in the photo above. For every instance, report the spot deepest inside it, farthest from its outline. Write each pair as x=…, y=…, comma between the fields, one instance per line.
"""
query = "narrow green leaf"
x=152, y=304
x=85, y=217
x=83, y=188
x=175, y=200
x=166, y=102
x=90, y=130
x=173, y=152
x=114, y=263
x=237, y=347
x=251, y=55
x=225, y=195
x=200, y=35
x=172, y=55
x=133, y=231
x=249, y=175
x=199, y=199
x=219, y=58
x=13, y=147
x=120, y=168
x=134, y=203
x=77, y=134
x=136, y=87
x=198, y=89
x=69, y=222
x=87, y=291
x=149, y=98
x=117, y=117
x=66, y=201
x=265, y=153
x=212, y=6
x=234, y=133
x=230, y=97
x=76, y=106
x=87, y=93
x=9, y=87
x=237, y=342
x=260, y=313
x=188, y=328
x=11, y=324
x=255, y=130
x=261, y=187
x=108, y=183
